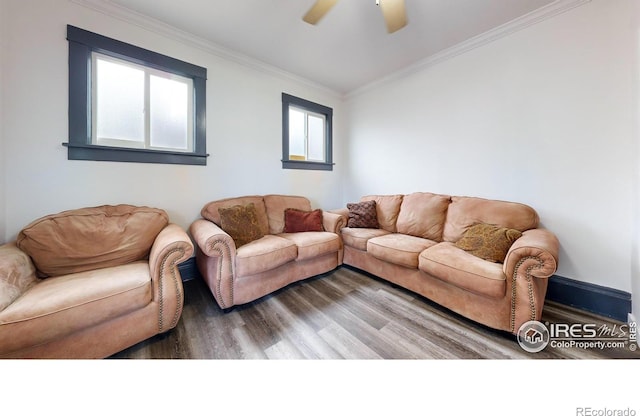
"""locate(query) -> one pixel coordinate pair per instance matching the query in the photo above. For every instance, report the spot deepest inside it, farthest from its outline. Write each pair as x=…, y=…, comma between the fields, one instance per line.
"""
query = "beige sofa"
x=415, y=246
x=269, y=260
x=90, y=282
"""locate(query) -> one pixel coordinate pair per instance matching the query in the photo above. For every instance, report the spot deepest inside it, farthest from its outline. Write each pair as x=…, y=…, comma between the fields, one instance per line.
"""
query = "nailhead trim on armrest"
x=532, y=305
x=179, y=305
x=219, y=282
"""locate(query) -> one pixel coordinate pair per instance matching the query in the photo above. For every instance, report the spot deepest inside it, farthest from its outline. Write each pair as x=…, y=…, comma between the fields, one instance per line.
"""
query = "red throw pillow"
x=297, y=221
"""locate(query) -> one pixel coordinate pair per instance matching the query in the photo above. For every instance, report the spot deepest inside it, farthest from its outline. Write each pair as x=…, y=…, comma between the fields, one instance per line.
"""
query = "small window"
x=130, y=104
x=306, y=134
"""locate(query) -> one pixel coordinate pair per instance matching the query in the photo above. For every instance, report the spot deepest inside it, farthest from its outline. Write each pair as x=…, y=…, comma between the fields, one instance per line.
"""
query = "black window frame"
x=327, y=112
x=82, y=44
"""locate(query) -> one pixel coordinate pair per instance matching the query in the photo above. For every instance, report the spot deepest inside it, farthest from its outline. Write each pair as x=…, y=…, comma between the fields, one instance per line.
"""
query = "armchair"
x=90, y=282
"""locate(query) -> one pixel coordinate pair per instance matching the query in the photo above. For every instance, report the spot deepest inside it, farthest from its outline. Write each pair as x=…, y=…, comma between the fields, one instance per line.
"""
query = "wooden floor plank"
x=247, y=343
x=347, y=345
x=296, y=330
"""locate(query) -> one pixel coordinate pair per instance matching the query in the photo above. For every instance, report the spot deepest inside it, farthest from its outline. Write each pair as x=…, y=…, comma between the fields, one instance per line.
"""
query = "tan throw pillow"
x=241, y=223
x=297, y=221
x=488, y=242
x=362, y=215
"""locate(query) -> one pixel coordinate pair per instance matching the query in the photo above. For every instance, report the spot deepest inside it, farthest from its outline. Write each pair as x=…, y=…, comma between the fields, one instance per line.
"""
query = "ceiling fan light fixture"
x=393, y=11
x=318, y=10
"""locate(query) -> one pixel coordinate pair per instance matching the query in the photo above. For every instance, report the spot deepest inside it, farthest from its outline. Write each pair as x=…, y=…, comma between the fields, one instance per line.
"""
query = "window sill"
x=306, y=165
x=123, y=154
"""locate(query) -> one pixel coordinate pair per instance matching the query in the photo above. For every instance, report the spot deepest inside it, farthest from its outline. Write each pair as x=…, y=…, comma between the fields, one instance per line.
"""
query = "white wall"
x=243, y=126
x=543, y=116
x=3, y=174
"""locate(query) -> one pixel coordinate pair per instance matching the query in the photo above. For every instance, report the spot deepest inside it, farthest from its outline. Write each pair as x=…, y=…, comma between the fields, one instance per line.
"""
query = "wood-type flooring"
x=347, y=314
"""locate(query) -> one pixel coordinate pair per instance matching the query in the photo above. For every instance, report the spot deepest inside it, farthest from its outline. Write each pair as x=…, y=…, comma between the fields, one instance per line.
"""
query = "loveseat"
x=487, y=260
x=90, y=282
x=250, y=246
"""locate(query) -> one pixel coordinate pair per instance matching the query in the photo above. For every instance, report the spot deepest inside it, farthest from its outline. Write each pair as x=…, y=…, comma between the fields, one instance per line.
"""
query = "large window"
x=306, y=134
x=130, y=104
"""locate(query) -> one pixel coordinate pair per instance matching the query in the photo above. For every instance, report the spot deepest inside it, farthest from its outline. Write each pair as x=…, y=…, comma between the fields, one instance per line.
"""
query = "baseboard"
x=601, y=300
x=188, y=269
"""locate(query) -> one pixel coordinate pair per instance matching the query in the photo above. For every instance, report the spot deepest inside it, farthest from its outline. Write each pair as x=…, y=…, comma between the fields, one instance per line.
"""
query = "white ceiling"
x=349, y=48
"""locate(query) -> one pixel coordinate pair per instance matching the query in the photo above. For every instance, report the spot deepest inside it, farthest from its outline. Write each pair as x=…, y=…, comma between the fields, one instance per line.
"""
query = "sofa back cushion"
x=275, y=206
x=211, y=210
x=91, y=238
x=387, y=210
x=422, y=214
x=465, y=212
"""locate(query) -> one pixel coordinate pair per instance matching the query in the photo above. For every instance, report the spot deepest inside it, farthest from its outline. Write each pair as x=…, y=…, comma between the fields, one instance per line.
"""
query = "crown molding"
x=546, y=12
x=153, y=25
x=132, y=17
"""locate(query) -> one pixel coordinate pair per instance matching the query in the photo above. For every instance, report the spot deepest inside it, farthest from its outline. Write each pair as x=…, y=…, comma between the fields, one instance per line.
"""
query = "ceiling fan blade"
x=318, y=10
x=394, y=13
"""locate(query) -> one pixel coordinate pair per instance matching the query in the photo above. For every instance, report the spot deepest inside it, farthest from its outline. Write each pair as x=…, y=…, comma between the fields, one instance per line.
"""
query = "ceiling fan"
x=393, y=11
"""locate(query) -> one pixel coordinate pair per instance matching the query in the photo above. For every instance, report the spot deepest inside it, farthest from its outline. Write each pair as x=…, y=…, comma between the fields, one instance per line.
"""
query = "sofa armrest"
x=216, y=253
x=208, y=236
x=171, y=247
x=333, y=222
x=530, y=261
x=344, y=213
x=17, y=274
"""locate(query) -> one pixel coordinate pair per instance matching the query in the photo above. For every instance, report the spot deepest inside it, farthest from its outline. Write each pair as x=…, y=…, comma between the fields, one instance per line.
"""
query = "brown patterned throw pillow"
x=362, y=215
x=489, y=242
x=241, y=223
x=297, y=220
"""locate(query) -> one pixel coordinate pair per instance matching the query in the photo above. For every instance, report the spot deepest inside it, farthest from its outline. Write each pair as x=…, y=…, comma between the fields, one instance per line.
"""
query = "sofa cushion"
x=362, y=215
x=422, y=214
x=398, y=249
x=314, y=244
x=53, y=308
x=91, y=238
x=211, y=210
x=264, y=254
x=453, y=265
x=358, y=237
x=17, y=274
x=296, y=220
x=387, y=210
x=277, y=204
x=241, y=223
x=488, y=242
x=467, y=211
